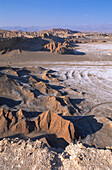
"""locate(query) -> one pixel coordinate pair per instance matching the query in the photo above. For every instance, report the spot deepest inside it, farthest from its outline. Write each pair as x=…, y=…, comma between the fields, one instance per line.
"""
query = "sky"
x=55, y=12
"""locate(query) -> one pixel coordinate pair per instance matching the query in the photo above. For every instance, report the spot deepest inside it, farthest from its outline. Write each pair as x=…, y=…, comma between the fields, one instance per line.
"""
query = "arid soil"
x=55, y=110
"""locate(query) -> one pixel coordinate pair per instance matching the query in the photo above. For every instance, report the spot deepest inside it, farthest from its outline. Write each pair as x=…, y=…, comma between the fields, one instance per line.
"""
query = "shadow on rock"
x=23, y=72
x=19, y=135
x=53, y=141
x=78, y=52
x=86, y=125
x=22, y=44
x=74, y=102
x=9, y=102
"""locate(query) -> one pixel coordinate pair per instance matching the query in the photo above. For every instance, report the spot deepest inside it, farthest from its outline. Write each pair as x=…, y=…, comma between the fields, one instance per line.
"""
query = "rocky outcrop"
x=47, y=75
x=52, y=123
x=46, y=35
x=60, y=105
x=46, y=89
x=60, y=48
x=9, y=119
x=52, y=46
x=61, y=30
x=21, y=43
x=36, y=44
x=48, y=122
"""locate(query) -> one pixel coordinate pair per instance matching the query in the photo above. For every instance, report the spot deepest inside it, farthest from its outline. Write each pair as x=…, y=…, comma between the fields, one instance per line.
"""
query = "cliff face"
x=45, y=41
x=21, y=44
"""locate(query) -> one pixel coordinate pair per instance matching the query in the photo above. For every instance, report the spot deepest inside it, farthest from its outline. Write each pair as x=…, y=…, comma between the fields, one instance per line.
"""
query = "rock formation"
x=60, y=48
x=47, y=122
x=52, y=123
x=21, y=43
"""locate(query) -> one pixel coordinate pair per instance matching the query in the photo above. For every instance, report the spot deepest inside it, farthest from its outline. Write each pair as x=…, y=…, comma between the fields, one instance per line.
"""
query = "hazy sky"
x=54, y=12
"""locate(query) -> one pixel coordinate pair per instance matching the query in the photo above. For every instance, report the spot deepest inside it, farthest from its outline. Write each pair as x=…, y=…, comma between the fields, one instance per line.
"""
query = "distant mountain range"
x=78, y=27
x=22, y=28
x=93, y=28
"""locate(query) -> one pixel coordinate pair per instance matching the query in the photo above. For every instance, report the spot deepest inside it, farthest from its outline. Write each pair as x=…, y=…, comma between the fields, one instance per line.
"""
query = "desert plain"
x=55, y=100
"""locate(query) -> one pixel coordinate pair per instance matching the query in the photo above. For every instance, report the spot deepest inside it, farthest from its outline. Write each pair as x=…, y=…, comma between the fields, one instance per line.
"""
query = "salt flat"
x=99, y=49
